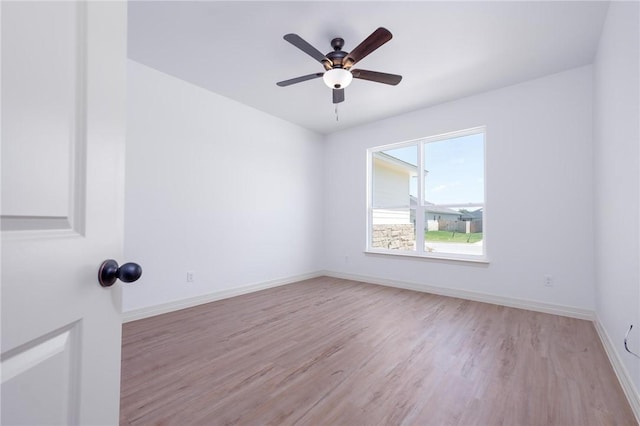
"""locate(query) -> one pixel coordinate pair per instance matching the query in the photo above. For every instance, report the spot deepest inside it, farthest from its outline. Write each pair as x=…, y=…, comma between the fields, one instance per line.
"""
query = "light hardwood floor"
x=336, y=352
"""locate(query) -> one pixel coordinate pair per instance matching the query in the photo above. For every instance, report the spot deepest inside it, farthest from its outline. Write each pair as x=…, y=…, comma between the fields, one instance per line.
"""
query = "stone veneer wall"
x=398, y=237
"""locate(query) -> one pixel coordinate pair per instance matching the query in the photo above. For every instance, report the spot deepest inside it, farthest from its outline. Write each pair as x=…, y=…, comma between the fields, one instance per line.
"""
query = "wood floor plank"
x=339, y=352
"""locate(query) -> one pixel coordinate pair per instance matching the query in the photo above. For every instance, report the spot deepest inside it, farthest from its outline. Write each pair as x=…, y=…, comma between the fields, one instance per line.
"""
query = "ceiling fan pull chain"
x=336, y=111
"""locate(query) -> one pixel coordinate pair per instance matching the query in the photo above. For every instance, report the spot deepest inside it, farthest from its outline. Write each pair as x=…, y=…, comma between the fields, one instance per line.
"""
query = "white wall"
x=217, y=188
x=617, y=177
x=539, y=197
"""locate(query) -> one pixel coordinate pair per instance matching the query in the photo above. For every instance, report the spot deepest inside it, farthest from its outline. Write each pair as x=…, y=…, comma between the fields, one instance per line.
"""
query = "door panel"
x=43, y=82
x=52, y=358
x=63, y=132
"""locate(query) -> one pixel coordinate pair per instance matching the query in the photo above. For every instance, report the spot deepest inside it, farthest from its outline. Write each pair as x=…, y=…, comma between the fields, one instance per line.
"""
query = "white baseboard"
x=621, y=372
x=567, y=311
x=176, y=305
x=164, y=308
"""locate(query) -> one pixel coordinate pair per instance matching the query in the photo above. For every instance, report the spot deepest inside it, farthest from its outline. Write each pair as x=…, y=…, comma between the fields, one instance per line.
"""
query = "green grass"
x=448, y=237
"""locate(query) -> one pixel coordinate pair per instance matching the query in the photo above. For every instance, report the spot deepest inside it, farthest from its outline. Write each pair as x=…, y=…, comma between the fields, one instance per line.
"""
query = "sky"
x=455, y=169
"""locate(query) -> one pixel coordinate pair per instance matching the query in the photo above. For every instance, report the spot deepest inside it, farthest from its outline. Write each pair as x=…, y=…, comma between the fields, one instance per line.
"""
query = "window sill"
x=446, y=257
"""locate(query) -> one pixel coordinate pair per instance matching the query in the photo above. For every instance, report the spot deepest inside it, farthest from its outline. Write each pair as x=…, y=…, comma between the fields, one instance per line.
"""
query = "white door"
x=63, y=132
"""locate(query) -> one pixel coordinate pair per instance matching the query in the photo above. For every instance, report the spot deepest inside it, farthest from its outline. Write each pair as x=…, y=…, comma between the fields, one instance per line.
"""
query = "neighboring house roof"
x=432, y=208
x=411, y=168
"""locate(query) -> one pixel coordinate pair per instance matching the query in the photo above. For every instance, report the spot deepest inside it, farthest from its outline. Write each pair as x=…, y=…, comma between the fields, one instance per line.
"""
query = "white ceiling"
x=443, y=50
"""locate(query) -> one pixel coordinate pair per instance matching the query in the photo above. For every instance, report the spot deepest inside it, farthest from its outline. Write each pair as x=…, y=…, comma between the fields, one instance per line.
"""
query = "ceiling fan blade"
x=301, y=44
x=338, y=96
x=371, y=43
x=378, y=77
x=299, y=79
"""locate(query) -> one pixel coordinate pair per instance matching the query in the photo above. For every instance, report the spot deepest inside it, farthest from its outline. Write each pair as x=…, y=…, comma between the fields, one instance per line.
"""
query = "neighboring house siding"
x=391, y=219
x=453, y=216
x=390, y=193
x=390, y=185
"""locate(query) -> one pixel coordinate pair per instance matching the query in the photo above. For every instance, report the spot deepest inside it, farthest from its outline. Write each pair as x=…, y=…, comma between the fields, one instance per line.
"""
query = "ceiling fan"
x=338, y=64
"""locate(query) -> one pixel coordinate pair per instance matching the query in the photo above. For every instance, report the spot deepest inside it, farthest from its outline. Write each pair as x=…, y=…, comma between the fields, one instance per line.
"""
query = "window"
x=426, y=197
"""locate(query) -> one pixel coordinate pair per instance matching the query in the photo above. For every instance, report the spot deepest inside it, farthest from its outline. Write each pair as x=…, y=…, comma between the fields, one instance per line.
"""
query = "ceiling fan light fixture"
x=337, y=78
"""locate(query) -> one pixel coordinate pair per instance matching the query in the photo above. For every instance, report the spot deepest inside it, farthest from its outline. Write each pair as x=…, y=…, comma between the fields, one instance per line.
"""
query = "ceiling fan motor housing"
x=337, y=56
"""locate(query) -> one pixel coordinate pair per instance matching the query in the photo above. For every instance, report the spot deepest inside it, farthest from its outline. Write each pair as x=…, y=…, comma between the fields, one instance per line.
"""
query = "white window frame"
x=420, y=251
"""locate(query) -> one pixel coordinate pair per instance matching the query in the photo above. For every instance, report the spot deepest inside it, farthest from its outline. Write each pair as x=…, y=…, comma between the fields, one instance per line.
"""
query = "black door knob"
x=109, y=272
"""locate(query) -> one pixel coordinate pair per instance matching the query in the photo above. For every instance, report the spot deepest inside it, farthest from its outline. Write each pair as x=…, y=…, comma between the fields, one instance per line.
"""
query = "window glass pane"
x=454, y=170
x=394, y=177
x=456, y=231
x=393, y=229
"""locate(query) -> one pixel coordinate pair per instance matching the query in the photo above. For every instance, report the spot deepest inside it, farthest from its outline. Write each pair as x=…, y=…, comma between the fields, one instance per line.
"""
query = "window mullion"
x=420, y=202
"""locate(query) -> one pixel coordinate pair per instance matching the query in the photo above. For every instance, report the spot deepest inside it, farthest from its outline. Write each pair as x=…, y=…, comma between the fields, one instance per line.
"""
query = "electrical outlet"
x=190, y=276
x=548, y=281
